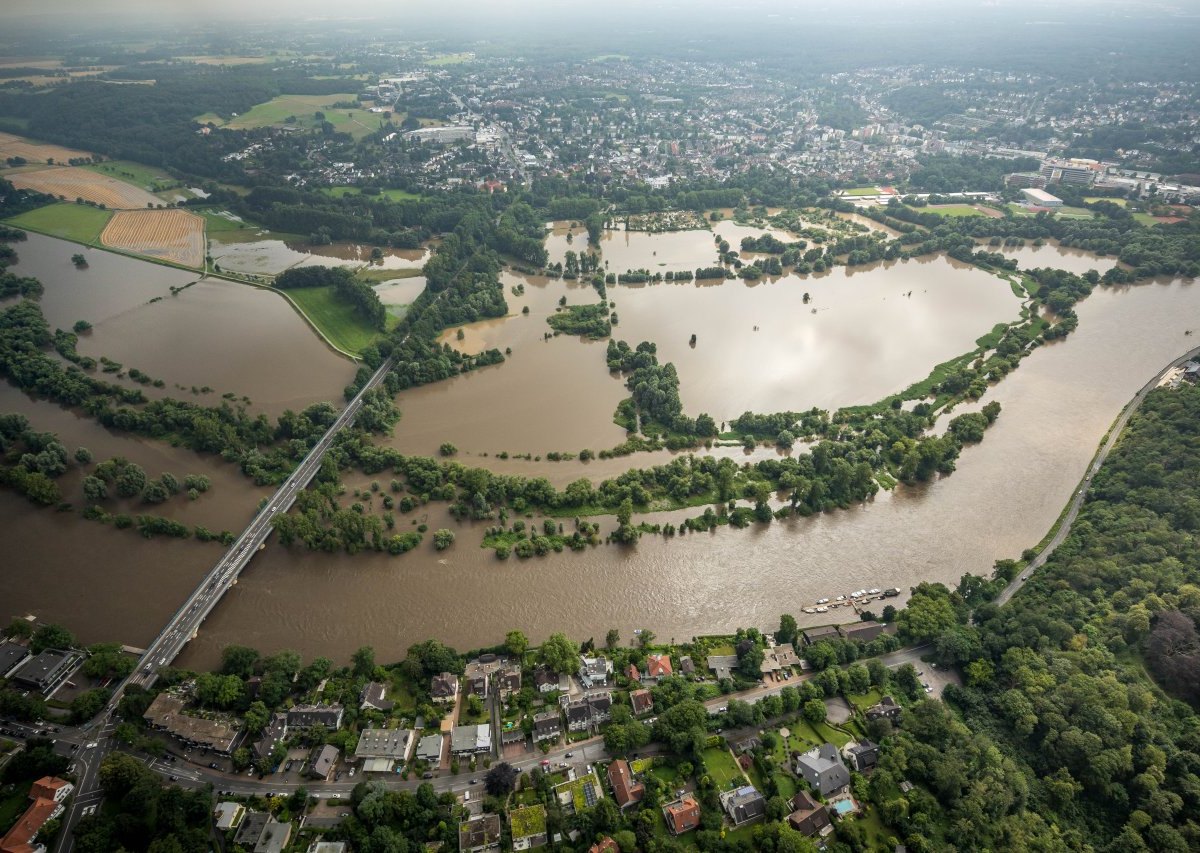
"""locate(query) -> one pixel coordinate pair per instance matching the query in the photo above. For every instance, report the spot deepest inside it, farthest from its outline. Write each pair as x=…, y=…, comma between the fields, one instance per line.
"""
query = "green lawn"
x=1144, y=219
x=393, y=195
x=138, y=174
x=78, y=222
x=302, y=108
x=1119, y=202
x=858, y=191
x=13, y=806
x=954, y=210
x=337, y=320
x=719, y=764
x=786, y=783
x=864, y=700
x=451, y=59
x=375, y=275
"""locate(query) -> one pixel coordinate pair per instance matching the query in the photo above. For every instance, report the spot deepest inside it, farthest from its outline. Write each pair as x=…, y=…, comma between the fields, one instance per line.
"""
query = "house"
x=443, y=689
x=46, y=795
x=810, y=817
x=545, y=679
x=275, y=732
x=322, y=762
x=430, y=749
x=479, y=834
x=626, y=789
x=514, y=735
x=601, y=707
x=579, y=716
x=722, y=665
x=642, y=702
x=275, y=837
x=11, y=656
x=785, y=655
x=528, y=827
x=327, y=847
x=471, y=740
x=381, y=749
x=166, y=713
x=251, y=829
x=44, y=672
x=863, y=632
x=228, y=815
x=374, y=698
x=687, y=666
x=744, y=804
x=508, y=681
x=328, y=717
x=605, y=845
x=817, y=635
x=477, y=684
x=683, y=815
x=594, y=672
x=631, y=672
x=822, y=768
x=886, y=707
x=546, y=726
x=861, y=756
x=658, y=667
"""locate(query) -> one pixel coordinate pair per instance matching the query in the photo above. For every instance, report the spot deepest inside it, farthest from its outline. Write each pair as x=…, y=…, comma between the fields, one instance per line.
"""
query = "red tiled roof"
x=658, y=666
x=641, y=700
x=632, y=672
x=684, y=815
x=47, y=787
x=626, y=789
x=604, y=845
x=19, y=837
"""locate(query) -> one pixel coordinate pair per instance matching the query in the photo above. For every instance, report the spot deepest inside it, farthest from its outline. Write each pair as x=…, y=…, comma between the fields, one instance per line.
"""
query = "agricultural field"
x=169, y=235
x=80, y=223
x=36, y=152
x=74, y=182
x=301, y=109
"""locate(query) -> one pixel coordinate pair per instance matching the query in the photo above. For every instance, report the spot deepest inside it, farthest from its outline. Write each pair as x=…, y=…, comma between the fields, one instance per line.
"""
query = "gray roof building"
x=275, y=837
x=11, y=654
x=429, y=748
x=307, y=716
x=44, y=672
x=479, y=834
x=822, y=768
x=465, y=740
x=251, y=828
x=547, y=725
x=374, y=698
x=744, y=804
x=392, y=744
x=443, y=687
x=323, y=760
x=722, y=665
x=862, y=756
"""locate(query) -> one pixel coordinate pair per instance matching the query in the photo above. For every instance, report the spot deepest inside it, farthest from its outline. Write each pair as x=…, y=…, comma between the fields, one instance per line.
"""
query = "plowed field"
x=172, y=235
x=73, y=183
x=35, y=152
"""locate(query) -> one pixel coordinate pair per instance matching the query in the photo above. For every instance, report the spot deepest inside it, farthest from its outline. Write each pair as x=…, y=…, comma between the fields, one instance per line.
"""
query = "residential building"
x=547, y=726
x=784, y=655
x=479, y=834
x=470, y=740
x=477, y=684
x=381, y=749
x=374, y=698
x=605, y=845
x=822, y=768
x=228, y=815
x=166, y=713
x=545, y=679
x=626, y=789
x=658, y=667
x=683, y=815
x=631, y=672
x=687, y=666
x=864, y=632
x=810, y=817
x=429, y=749
x=322, y=762
x=1025, y=179
x=642, y=702
x=275, y=732
x=528, y=826
x=744, y=804
x=11, y=656
x=44, y=672
x=327, y=847
x=443, y=688
x=594, y=672
x=862, y=756
x=307, y=716
x=46, y=803
x=516, y=734
x=722, y=666
x=886, y=707
x=251, y=829
x=579, y=716
x=508, y=681
x=275, y=837
x=816, y=635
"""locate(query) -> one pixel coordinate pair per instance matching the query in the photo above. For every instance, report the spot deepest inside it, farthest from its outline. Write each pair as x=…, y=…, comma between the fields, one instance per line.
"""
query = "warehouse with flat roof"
x=1041, y=198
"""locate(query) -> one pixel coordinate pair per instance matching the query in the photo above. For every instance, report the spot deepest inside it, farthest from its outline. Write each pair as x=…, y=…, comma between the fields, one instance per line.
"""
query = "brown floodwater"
x=1005, y=495
x=1051, y=254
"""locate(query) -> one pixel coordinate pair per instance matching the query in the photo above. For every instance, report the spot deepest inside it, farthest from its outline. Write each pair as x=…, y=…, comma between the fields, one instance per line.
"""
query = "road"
x=1080, y=495
x=186, y=621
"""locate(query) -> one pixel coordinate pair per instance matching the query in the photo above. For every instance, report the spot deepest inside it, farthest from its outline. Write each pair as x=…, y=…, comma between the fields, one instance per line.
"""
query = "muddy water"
x=1053, y=255
x=400, y=291
x=1005, y=495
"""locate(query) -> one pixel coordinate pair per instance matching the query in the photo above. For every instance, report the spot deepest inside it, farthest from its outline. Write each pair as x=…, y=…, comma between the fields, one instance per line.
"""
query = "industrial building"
x=1040, y=198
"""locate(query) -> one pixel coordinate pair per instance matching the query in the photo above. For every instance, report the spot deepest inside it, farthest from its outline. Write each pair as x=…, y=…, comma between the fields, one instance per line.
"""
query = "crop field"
x=36, y=152
x=74, y=182
x=170, y=235
x=78, y=222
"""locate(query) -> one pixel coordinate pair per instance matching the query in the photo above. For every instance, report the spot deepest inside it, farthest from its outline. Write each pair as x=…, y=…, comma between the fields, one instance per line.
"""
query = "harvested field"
x=170, y=235
x=36, y=152
x=74, y=182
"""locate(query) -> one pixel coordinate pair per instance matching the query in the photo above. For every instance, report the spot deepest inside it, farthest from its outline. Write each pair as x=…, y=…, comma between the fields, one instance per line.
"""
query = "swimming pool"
x=844, y=807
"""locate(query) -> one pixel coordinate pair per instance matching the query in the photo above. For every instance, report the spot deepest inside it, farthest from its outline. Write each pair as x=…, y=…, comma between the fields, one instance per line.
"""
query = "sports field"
x=170, y=235
x=859, y=191
x=72, y=182
x=962, y=210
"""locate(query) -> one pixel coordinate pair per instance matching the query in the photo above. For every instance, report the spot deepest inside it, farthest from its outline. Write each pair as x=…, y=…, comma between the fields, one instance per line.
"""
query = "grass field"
x=451, y=59
x=1119, y=202
x=79, y=222
x=140, y=175
x=954, y=210
x=337, y=320
x=392, y=195
x=1144, y=219
x=719, y=764
x=1064, y=212
x=859, y=191
x=276, y=112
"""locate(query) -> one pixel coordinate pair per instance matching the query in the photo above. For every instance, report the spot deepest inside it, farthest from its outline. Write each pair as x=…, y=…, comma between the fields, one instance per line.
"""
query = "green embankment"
x=337, y=320
x=80, y=223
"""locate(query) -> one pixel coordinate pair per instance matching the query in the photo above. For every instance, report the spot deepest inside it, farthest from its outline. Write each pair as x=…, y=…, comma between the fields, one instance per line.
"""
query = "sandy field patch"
x=73, y=183
x=36, y=152
x=170, y=235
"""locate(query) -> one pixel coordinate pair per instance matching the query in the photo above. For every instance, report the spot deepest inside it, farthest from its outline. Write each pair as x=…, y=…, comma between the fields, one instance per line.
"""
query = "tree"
x=82, y=326
x=788, y=630
x=516, y=643
x=20, y=629
x=238, y=660
x=50, y=637
x=443, y=539
x=645, y=638
x=814, y=711
x=363, y=662
x=88, y=704
x=256, y=718
x=560, y=654
x=612, y=639
x=82, y=455
x=500, y=780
